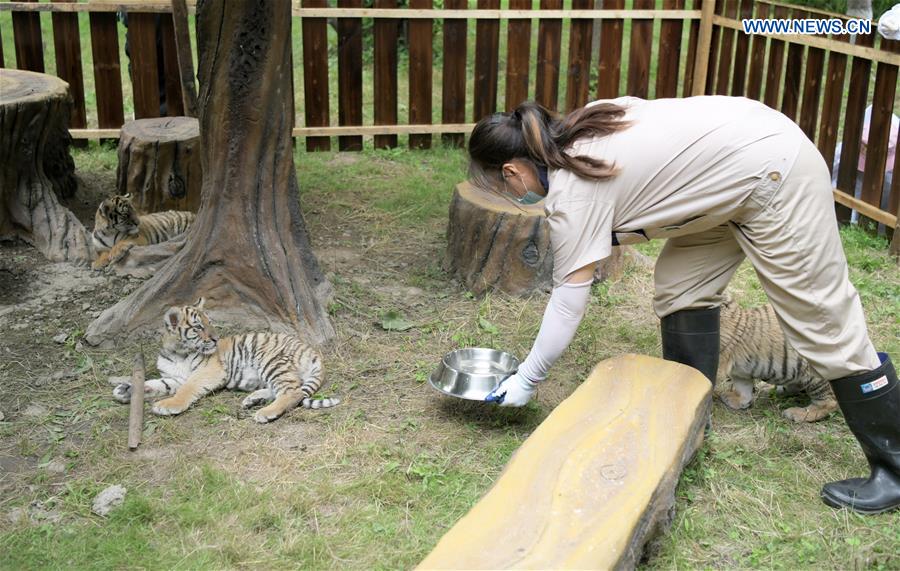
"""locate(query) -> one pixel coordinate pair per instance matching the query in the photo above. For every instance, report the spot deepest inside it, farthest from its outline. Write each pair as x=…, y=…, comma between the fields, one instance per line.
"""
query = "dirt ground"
x=374, y=482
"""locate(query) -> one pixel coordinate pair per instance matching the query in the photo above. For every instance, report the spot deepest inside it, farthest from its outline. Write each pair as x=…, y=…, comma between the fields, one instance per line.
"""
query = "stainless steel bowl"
x=472, y=373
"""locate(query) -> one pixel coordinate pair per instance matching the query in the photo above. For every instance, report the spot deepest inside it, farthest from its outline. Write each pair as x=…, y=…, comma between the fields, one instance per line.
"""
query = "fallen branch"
x=136, y=413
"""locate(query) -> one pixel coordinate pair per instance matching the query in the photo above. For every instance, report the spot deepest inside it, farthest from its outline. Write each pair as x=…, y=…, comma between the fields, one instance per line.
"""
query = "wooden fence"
x=562, y=53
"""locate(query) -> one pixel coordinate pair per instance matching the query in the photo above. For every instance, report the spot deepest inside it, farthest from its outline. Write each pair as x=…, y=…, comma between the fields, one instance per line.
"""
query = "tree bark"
x=495, y=244
x=159, y=164
x=34, y=110
x=247, y=252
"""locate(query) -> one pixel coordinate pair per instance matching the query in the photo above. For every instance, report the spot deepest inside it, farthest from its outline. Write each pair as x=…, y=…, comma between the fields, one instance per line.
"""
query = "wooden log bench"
x=159, y=164
x=596, y=481
x=494, y=243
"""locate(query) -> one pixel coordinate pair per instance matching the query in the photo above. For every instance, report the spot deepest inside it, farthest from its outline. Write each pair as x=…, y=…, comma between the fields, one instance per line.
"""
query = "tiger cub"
x=118, y=227
x=282, y=371
x=753, y=346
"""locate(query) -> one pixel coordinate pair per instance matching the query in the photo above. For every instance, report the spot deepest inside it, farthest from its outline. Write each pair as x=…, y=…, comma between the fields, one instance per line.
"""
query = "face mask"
x=530, y=197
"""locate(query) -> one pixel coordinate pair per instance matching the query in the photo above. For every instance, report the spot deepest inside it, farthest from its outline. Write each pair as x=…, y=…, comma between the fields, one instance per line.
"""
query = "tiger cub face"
x=188, y=330
x=116, y=214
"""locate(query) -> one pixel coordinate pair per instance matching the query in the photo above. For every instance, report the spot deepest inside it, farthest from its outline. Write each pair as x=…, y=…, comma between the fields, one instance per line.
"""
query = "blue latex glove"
x=513, y=391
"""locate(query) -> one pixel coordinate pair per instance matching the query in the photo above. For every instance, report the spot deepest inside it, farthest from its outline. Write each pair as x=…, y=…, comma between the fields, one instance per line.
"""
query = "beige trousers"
x=788, y=231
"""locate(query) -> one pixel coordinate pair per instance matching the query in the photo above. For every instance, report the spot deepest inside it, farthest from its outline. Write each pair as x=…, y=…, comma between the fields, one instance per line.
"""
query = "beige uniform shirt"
x=685, y=166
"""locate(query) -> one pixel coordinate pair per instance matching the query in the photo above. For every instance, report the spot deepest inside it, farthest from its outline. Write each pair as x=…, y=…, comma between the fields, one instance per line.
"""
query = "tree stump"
x=594, y=484
x=247, y=252
x=159, y=164
x=33, y=107
x=494, y=243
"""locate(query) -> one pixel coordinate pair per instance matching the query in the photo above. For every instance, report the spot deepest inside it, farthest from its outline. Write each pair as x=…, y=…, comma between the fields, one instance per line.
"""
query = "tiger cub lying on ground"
x=118, y=227
x=752, y=346
x=280, y=369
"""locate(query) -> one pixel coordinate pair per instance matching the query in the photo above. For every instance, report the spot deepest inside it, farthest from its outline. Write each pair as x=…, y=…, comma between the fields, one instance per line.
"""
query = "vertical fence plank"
x=487, y=48
x=812, y=87
x=420, y=61
x=578, y=74
x=741, y=52
x=518, y=56
x=793, y=73
x=894, y=202
x=669, y=52
x=174, y=97
x=548, y=57
x=67, y=48
x=880, y=128
x=726, y=50
x=757, y=58
x=691, y=57
x=143, y=66
x=453, y=97
x=28, y=41
x=831, y=103
x=775, y=66
x=639, y=52
x=349, y=75
x=609, y=64
x=385, y=74
x=715, y=40
x=2, y=59
x=316, y=110
x=703, y=60
x=860, y=69
x=107, y=71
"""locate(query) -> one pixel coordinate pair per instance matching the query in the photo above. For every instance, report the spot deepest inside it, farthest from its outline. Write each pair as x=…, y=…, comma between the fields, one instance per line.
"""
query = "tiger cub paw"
x=99, y=264
x=264, y=416
x=811, y=413
x=253, y=401
x=121, y=253
x=735, y=400
x=167, y=407
x=122, y=393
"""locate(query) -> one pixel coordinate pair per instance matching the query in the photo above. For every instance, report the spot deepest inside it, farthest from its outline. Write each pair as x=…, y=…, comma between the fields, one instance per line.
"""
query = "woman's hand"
x=514, y=391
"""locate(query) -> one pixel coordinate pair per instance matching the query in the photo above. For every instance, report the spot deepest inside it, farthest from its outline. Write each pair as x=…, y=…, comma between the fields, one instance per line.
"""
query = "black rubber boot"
x=871, y=406
x=691, y=337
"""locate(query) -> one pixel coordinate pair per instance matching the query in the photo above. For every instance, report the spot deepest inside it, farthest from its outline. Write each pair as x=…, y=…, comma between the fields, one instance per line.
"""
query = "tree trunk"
x=34, y=109
x=247, y=252
x=159, y=164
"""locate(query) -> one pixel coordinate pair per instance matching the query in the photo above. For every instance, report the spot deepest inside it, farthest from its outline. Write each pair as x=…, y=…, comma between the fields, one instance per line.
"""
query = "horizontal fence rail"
x=403, y=75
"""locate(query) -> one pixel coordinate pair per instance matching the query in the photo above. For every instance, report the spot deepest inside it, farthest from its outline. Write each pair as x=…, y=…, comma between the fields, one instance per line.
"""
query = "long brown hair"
x=535, y=133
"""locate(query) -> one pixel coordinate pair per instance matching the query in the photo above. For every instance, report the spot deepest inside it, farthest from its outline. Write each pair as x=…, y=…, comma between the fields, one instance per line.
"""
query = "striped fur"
x=118, y=227
x=753, y=347
x=278, y=370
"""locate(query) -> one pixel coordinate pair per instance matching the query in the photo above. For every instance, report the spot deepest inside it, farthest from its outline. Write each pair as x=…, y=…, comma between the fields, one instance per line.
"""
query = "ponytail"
x=535, y=133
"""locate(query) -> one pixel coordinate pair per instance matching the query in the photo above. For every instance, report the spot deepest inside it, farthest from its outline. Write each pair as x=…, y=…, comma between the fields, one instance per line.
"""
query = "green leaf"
x=487, y=326
x=394, y=321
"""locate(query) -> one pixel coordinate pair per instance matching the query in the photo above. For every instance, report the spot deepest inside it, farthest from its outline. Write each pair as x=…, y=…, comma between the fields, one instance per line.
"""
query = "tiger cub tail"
x=312, y=381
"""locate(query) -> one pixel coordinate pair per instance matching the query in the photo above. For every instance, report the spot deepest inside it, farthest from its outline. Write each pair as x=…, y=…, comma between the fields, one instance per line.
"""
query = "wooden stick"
x=185, y=59
x=136, y=413
x=701, y=58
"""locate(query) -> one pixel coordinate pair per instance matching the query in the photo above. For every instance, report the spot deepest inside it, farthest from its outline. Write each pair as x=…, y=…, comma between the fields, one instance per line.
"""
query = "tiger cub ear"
x=173, y=315
x=127, y=197
x=199, y=303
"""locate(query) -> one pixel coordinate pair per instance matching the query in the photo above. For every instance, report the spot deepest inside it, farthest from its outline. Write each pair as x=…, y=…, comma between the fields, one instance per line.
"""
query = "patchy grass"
x=375, y=482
